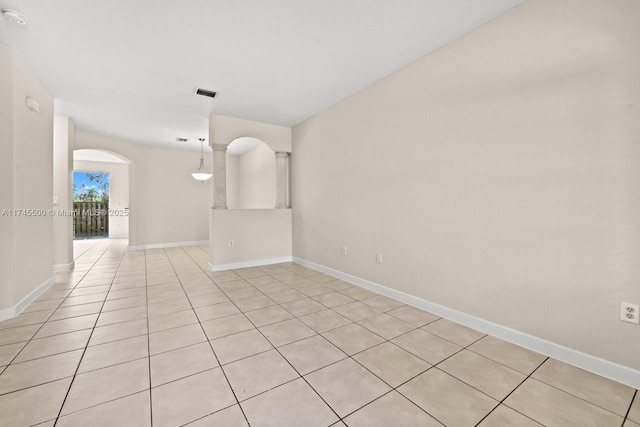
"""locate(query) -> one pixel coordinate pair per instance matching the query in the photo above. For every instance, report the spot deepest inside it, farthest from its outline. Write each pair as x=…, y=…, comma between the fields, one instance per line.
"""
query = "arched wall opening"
x=119, y=169
x=251, y=174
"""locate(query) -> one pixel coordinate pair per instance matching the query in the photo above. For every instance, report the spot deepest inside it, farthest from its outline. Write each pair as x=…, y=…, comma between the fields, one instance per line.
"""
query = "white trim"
x=11, y=312
x=602, y=367
x=168, y=245
x=64, y=267
x=245, y=264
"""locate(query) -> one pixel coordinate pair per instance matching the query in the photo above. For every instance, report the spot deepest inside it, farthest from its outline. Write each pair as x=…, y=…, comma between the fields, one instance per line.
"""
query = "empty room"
x=320, y=213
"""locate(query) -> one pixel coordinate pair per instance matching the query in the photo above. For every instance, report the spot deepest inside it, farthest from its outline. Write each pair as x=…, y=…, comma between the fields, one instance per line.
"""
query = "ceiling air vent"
x=181, y=139
x=205, y=92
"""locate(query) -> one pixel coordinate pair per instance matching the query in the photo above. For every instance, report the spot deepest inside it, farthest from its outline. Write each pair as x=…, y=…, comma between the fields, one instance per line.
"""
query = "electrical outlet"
x=343, y=250
x=379, y=258
x=30, y=264
x=230, y=243
x=169, y=230
x=630, y=313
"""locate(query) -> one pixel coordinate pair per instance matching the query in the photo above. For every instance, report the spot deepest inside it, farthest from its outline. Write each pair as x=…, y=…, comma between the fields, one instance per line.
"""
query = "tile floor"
x=152, y=338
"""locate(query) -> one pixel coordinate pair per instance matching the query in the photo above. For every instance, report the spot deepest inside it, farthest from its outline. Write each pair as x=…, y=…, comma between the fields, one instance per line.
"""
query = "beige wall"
x=498, y=176
x=118, y=193
x=260, y=236
x=63, y=133
x=162, y=195
x=251, y=179
x=26, y=139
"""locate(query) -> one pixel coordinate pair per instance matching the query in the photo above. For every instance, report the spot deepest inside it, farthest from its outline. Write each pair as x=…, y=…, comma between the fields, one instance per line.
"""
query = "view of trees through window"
x=91, y=187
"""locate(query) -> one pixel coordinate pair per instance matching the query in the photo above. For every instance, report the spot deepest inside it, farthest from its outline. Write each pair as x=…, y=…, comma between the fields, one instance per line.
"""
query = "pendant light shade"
x=201, y=175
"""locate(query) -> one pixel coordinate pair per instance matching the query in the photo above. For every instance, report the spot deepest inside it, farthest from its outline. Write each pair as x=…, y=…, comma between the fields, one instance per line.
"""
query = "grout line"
x=90, y=335
x=208, y=341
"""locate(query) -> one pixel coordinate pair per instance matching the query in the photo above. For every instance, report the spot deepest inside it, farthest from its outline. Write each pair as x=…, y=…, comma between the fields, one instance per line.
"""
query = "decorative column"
x=282, y=180
x=219, y=176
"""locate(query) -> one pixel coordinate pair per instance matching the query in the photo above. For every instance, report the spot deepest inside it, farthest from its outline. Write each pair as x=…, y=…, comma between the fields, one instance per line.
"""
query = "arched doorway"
x=113, y=172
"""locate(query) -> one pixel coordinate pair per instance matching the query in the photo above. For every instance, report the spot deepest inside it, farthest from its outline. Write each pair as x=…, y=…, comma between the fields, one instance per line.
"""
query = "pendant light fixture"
x=201, y=175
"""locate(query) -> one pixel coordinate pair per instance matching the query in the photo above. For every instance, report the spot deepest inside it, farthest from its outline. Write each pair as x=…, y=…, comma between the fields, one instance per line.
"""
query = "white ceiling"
x=128, y=68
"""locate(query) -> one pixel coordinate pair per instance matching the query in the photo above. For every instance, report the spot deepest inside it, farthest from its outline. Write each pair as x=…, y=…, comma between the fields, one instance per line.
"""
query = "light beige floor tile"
x=593, y=388
x=190, y=398
x=386, y=326
x=427, y=346
x=119, y=304
x=120, y=316
x=53, y=345
x=205, y=289
x=255, y=374
x=338, y=285
x=382, y=303
x=39, y=371
x=172, y=320
x=113, y=353
x=180, y=363
x=228, y=325
x=118, y=331
x=103, y=385
x=447, y=399
x=413, y=316
x=273, y=288
x=262, y=281
x=292, y=404
x=134, y=410
x=314, y=290
x=550, y=406
x=67, y=325
x=392, y=409
x=629, y=423
x=333, y=299
x=126, y=293
x=216, y=311
x=504, y=416
x=208, y=299
x=228, y=417
x=254, y=303
x=91, y=290
x=358, y=293
x=244, y=292
x=43, y=305
x=84, y=299
x=511, y=355
x=9, y=351
x=353, y=338
x=33, y=405
x=323, y=321
x=336, y=383
x=634, y=412
x=286, y=332
x=391, y=363
x=302, y=307
x=454, y=332
x=286, y=296
x=169, y=307
x=240, y=345
x=24, y=319
x=484, y=374
x=356, y=311
x=311, y=353
x=172, y=339
x=18, y=334
x=267, y=316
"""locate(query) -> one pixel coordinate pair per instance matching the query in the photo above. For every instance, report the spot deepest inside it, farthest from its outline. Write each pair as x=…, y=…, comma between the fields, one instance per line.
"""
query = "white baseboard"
x=246, y=264
x=64, y=267
x=11, y=312
x=168, y=245
x=602, y=367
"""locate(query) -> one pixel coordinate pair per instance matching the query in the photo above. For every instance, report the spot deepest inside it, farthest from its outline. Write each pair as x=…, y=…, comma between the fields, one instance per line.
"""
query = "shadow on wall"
x=251, y=174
